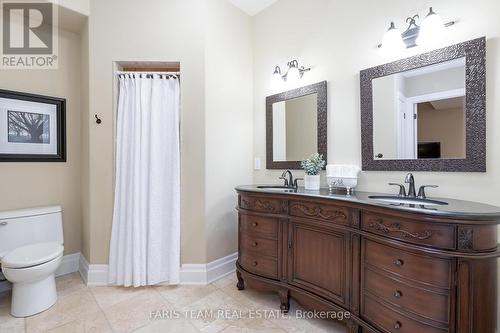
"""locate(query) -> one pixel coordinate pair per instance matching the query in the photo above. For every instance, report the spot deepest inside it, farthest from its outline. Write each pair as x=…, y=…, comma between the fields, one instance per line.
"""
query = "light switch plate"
x=256, y=163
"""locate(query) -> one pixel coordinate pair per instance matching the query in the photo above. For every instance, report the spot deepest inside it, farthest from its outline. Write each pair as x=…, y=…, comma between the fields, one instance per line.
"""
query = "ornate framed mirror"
x=427, y=112
x=296, y=126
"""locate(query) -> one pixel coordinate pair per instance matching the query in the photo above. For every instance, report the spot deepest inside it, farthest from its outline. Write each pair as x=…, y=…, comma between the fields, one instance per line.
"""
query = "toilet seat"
x=32, y=255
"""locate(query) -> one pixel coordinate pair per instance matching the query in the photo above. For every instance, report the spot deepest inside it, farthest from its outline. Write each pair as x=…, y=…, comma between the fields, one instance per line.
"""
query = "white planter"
x=312, y=182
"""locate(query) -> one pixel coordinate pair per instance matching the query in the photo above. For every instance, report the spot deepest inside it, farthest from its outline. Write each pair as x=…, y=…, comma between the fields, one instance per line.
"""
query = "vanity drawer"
x=259, y=265
x=261, y=204
x=418, y=268
x=392, y=321
x=419, y=301
x=412, y=231
x=333, y=213
x=260, y=226
x=257, y=245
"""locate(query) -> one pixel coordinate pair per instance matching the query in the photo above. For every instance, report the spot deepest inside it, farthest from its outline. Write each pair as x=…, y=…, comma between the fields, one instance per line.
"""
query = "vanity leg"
x=285, y=300
x=352, y=327
x=241, y=284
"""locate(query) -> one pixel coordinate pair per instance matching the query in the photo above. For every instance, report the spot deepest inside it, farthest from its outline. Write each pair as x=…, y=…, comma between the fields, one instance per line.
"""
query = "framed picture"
x=32, y=128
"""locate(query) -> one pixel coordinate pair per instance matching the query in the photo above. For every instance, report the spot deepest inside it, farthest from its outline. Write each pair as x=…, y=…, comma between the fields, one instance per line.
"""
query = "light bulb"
x=276, y=79
x=293, y=76
x=431, y=31
x=392, y=43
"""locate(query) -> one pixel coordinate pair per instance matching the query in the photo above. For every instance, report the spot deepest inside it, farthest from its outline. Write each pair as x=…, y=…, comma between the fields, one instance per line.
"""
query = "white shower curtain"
x=145, y=240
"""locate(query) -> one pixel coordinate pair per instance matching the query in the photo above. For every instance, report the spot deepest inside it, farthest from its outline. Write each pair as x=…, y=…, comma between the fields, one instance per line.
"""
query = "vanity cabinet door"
x=318, y=259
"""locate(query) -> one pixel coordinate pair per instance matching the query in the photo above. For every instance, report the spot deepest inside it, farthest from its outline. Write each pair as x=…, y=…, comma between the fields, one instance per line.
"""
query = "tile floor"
x=114, y=309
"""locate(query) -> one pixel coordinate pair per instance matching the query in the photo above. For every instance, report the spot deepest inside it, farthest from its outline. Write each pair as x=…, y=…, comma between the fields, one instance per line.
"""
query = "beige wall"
x=160, y=31
x=339, y=38
x=446, y=126
x=211, y=40
x=85, y=123
x=229, y=115
x=40, y=184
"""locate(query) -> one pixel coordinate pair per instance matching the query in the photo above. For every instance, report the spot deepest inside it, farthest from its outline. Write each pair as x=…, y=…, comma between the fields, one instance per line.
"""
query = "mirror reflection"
x=295, y=128
x=420, y=113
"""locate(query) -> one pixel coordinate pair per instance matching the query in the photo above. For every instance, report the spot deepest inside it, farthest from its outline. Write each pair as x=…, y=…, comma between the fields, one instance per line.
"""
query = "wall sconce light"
x=293, y=74
x=428, y=33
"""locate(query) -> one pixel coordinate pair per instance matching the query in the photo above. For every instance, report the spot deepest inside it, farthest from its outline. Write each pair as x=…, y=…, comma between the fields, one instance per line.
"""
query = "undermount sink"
x=407, y=201
x=276, y=187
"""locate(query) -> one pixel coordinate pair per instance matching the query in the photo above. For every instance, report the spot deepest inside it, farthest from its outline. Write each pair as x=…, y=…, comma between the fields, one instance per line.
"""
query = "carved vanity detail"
x=393, y=270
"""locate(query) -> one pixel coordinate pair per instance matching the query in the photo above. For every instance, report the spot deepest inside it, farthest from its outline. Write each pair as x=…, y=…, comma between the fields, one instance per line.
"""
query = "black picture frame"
x=60, y=104
x=474, y=52
x=320, y=89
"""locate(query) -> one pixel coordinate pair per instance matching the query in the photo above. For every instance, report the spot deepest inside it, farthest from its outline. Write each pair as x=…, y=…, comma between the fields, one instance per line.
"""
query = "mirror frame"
x=474, y=52
x=319, y=88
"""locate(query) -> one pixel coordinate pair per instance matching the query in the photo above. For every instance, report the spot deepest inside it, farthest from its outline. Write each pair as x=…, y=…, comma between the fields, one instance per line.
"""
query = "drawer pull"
x=397, y=325
x=255, y=224
x=398, y=262
x=3, y=223
x=255, y=263
x=255, y=244
x=398, y=294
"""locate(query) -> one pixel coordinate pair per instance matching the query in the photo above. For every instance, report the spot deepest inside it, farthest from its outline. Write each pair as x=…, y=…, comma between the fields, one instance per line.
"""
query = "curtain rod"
x=134, y=72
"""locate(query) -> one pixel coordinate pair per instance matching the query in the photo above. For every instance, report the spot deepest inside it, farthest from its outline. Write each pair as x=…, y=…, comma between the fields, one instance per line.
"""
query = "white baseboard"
x=198, y=274
x=69, y=264
x=203, y=274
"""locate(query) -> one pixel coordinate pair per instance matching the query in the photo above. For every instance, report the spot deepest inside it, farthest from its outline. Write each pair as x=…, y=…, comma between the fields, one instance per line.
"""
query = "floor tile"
x=69, y=283
x=168, y=325
x=95, y=323
x=218, y=307
x=135, y=312
x=76, y=305
x=218, y=310
x=109, y=296
x=180, y=296
x=228, y=280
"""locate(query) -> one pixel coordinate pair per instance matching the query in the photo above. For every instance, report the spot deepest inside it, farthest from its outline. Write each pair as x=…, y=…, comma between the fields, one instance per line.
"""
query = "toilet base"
x=34, y=297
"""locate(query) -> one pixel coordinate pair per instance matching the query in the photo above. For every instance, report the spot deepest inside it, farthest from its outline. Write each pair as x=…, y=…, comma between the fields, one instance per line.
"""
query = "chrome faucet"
x=411, y=188
x=289, y=182
x=409, y=179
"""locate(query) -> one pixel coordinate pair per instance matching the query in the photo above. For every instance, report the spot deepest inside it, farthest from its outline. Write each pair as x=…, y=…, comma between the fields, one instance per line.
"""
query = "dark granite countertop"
x=459, y=209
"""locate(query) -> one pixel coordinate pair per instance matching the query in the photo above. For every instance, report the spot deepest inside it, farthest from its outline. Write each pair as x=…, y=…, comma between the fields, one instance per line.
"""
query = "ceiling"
x=252, y=7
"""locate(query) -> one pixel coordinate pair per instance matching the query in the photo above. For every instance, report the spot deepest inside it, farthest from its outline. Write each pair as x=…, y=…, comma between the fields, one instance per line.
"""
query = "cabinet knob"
x=398, y=262
x=397, y=325
x=255, y=263
x=398, y=294
x=255, y=244
x=255, y=224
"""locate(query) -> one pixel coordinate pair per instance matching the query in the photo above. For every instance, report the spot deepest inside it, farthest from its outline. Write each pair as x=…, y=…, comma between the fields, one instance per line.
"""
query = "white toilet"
x=31, y=249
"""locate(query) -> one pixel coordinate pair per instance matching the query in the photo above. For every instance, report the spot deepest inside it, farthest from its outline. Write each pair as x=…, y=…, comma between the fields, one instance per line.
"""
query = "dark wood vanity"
x=393, y=270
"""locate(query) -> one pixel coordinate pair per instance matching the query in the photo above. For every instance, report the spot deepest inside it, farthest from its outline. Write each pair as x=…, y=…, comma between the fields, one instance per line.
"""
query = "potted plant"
x=312, y=166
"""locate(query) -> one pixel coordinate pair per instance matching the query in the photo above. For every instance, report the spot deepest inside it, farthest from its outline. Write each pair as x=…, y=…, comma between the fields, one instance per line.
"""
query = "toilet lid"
x=32, y=255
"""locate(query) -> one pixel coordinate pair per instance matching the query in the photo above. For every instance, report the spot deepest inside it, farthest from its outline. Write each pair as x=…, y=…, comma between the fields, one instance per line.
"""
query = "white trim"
x=459, y=62
x=436, y=96
x=69, y=264
x=193, y=274
x=83, y=268
x=202, y=274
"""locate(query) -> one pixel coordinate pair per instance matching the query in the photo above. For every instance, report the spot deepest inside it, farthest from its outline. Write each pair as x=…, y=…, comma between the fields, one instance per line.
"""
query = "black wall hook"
x=97, y=119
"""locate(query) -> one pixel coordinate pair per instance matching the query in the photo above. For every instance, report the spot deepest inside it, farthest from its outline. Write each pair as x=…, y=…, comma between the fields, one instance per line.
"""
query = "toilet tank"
x=28, y=226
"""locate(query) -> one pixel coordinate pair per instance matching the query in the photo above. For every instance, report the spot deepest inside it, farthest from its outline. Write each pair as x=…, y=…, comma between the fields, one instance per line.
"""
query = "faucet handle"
x=421, y=191
x=295, y=182
x=283, y=177
x=402, y=190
